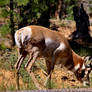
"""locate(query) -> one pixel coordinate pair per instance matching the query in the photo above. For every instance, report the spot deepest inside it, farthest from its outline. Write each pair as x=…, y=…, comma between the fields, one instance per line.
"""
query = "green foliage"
x=5, y=29
x=27, y=79
x=4, y=2
x=2, y=46
x=7, y=63
x=69, y=4
x=70, y=13
x=4, y=13
x=51, y=84
x=11, y=87
x=2, y=87
x=90, y=8
x=29, y=11
x=22, y=2
x=82, y=51
x=4, y=16
x=90, y=79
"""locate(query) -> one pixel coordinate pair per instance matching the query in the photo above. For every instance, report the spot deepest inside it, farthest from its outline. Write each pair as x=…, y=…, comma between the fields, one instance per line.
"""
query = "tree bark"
x=12, y=22
x=82, y=24
x=58, y=9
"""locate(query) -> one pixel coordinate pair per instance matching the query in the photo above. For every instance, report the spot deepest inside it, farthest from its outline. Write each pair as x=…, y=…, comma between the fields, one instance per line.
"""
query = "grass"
x=26, y=79
x=90, y=80
x=4, y=30
x=3, y=47
x=7, y=63
x=81, y=50
x=4, y=87
x=51, y=85
x=9, y=59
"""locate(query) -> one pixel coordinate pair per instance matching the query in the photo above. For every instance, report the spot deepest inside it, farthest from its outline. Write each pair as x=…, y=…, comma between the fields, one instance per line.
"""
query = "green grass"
x=81, y=50
x=90, y=80
x=10, y=59
x=4, y=87
x=51, y=85
x=11, y=87
x=4, y=30
x=26, y=79
x=3, y=47
x=7, y=63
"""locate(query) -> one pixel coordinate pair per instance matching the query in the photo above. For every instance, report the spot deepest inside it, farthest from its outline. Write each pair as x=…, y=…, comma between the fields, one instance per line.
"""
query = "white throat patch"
x=83, y=66
x=61, y=47
x=77, y=67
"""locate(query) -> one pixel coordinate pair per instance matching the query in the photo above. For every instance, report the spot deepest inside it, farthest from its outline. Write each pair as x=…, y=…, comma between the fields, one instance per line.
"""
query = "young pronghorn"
x=40, y=41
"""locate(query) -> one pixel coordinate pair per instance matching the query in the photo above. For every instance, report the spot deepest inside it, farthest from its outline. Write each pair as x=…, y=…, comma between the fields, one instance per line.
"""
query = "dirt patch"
x=65, y=78
x=8, y=78
x=61, y=77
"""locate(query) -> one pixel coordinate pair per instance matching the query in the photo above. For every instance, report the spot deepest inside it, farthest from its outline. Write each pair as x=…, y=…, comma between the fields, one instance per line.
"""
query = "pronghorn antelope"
x=40, y=41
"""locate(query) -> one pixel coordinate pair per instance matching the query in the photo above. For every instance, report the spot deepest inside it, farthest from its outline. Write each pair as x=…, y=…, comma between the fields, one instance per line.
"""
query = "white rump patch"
x=17, y=40
x=77, y=67
x=26, y=34
x=83, y=66
x=22, y=35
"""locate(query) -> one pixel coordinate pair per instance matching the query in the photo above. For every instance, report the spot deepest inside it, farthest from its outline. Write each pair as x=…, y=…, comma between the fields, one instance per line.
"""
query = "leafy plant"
x=4, y=30
x=3, y=47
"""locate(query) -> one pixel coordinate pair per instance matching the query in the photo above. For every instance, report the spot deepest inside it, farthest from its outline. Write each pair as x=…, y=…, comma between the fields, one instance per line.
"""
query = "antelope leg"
x=17, y=63
x=28, y=68
x=50, y=68
x=17, y=66
x=30, y=58
x=48, y=79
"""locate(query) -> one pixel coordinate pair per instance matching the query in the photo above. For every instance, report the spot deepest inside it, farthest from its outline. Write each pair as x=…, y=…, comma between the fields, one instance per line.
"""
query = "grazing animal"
x=40, y=41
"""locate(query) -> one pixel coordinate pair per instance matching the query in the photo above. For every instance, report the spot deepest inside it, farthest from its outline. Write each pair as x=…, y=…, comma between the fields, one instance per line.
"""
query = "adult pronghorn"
x=40, y=41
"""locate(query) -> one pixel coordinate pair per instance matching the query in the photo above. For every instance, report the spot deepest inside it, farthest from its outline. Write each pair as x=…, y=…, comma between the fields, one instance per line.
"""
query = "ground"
x=61, y=79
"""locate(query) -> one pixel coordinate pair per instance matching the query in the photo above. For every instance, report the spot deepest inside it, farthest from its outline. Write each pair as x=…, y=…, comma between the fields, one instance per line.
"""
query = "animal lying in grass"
x=53, y=46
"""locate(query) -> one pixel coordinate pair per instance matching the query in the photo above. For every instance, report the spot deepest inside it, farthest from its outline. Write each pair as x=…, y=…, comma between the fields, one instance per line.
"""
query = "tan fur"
x=45, y=42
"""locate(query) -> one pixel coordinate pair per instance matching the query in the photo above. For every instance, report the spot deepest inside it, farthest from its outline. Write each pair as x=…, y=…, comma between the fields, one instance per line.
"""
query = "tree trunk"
x=58, y=9
x=12, y=22
x=82, y=24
